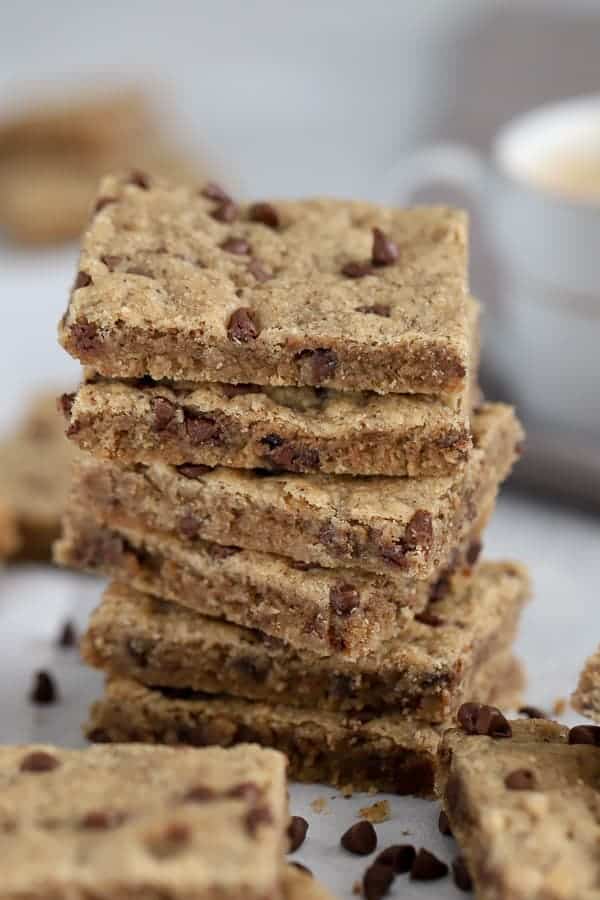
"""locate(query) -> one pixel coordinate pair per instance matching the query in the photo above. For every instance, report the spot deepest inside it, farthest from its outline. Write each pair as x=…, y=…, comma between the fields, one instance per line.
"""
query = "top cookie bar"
x=182, y=283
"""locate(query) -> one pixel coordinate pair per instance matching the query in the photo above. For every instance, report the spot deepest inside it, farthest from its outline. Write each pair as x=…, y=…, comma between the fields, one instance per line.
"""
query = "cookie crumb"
x=320, y=805
x=559, y=706
x=377, y=812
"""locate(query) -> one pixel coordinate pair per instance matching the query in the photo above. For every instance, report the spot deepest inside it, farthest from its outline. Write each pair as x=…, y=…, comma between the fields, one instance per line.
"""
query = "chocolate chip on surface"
x=444, y=824
x=170, y=841
x=429, y=618
x=200, y=793
x=227, y=211
x=139, y=179
x=102, y=820
x=164, y=414
x=585, y=734
x=521, y=780
x=39, y=761
x=297, y=830
x=356, y=269
x=65, y=404
x=385, y=251
x=264, y=213
x=377, y=881
x=532, y=712
x=237, y=245
x=246, y=790
x=323, y=362
x=243, y=326
x=44, y=690
x=477, y=718
x=82, y=280
x=85, y=336
x=377, y=309
x=293, y=457
x=419, y=531
x=202, y=429
x=399, y=856
x=259, y=270
x=111, y=262
x=189, y=525
x=67, y=636
x=101, y=202
x=193, y=470
x=427, y=867
x=461, y=875
x=360, y=838
x=256, y=817
x=343, y=599
x=214, y=191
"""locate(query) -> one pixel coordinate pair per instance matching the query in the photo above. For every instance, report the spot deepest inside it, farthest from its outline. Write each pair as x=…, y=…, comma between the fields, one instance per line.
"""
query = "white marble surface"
x=560, y=628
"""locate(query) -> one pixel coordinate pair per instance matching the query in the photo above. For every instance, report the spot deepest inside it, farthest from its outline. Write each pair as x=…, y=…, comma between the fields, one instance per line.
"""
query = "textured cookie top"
x=134, y=816
x=177, y=282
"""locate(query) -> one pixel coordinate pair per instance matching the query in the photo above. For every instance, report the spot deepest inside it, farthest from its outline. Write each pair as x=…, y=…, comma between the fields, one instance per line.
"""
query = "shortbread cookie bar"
x=185, y=284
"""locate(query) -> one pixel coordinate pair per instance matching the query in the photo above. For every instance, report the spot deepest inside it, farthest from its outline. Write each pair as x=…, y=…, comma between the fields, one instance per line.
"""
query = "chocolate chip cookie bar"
x=389, y=753
x=401, y=526
x=186, y=284
x=523, y=803
x=123, y=821
x=586, y=698
x=35, y=475
x=427, y=669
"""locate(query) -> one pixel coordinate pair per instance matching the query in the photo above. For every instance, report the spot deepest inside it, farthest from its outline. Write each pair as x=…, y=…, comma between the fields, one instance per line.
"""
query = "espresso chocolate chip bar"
x=586, y=698
x=390, y=753
x=135, y=821
x=405, y=526
x=185, y=284
x=427, y=669
x=525, y=808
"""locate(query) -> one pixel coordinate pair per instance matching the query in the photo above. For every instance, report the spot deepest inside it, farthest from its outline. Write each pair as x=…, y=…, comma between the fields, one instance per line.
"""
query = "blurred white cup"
x=544, y=339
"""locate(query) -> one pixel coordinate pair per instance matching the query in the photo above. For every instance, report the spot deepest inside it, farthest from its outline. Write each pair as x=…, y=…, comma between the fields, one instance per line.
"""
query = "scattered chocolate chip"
x=85, y=336
x=419, y=531
x=243, y=326
x=102, y=820
x=296, y=833
x=237, y=245
x=164, y=414
x=360, y=838
x=44, y=690
x=139, y=179
x=67, y=636
x=520, y=780
x=343, y=599
x=227, y=211
x=399, y=856
x=428, y=618
x=532, y=712
x=39, y=761
x=377, y=881
x=82, y=280
x=101, y=202
x=264, y=213
x=193, y=470
x=111, y=262
x=444, y=824
x=259, y=270
x=585, y=734
x=323, y=362
x=202, y=429
x=171, y=841
x=477, y=718
x=239, y=390
x=199, y=794
x=257, y=816
x=213, y=191
x=385, y=251
x=427, y=867
x=189, y=526
x=301, y=867
x=356, y=269
x=395, y=554
x=377, y=309
x=473, y=552
x=292, y=457
x=461, y=874
x=65, y=404
x=246, y=790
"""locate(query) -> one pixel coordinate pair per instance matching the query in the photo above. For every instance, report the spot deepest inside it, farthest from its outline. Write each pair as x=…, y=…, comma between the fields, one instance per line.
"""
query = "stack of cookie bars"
x=289, y=469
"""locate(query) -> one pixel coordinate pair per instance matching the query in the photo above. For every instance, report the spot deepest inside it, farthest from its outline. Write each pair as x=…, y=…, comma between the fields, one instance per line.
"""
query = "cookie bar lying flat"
x=35, y=475
x=586, y=698
x=427, y=669
x=526, y=810
x=390, y=753
x=123, y=821
x=184, y=284
x=386, y=525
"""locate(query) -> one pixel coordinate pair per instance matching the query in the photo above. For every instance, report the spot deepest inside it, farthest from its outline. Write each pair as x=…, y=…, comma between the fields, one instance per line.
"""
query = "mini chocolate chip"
x=213, y=191
x=164, y=414
x=385, y=251
x=259, y=270
x=199, y=794
x=237, y=245
x=139, y=179
x=419, y=531
x=428, y=618
x=323, y=362
x=360, y=838
x=85, y=336
x=111, y=262
x=243, y=326
x=301, y=868
x=477, y=718
x=520, y=780
x=377, y=309
x=82, y=280
x=257, y=816
x=444, y=824
x=67, y=636
x=39, y=761
x=585, y=734
x=399, y=856
x=343, y=599
x=227, y=211
x=296, y=833
x=65, y=404
x=461, y=874
x=193, y=470
x=532, y=712
x=44, y=690
x=356, y=269
x=377, y=881
x=473, y=553
x=427, y=867
x=202, y=429
x=264, y=213
x=101, y=202
x=102, y=820
x=239, y=390
x=189, y=526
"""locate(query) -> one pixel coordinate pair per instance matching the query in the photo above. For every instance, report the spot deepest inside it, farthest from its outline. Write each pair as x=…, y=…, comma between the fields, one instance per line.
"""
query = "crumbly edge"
x=586, y=698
